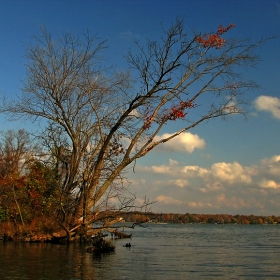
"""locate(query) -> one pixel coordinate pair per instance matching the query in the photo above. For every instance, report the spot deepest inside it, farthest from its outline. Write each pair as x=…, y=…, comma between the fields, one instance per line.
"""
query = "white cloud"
x=213, y=187
x=181, y=183
x=276, y=159
x=135, y=113
x=269, y=104
x=168, y=200
x=230, y=172
x=195, y=171
x=173, y=162
x=228, y=187
x=269, y=184
x=162, y=169
x=199, y=204
x=185, y=142
x=271, y=166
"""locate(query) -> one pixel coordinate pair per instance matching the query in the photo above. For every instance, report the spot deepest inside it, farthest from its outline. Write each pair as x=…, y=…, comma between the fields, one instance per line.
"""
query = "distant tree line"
x=200, y=218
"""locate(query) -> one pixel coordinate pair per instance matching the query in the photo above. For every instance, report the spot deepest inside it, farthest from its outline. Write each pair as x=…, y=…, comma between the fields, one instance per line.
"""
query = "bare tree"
x=16, y=149
x=98, y=124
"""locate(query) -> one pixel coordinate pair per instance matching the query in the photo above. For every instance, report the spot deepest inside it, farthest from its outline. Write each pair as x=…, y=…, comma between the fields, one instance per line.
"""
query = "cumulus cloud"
x=230, y=172
x=269, y=184
x=181, y=183
x=269, y=104
x=195, y=171
x=271, y=165
x=215, y=186
x=161, y=169
x=219, y=172
x=185, y=142
x=230, y=186
x=171, y=169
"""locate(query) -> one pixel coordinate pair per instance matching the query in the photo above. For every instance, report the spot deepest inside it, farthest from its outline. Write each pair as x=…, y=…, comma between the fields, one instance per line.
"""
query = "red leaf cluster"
x=177, y=111
x=174, y=113
x=215, y=40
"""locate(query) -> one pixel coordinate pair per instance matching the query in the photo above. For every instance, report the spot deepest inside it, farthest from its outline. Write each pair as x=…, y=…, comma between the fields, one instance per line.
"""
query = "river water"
x=158, y=251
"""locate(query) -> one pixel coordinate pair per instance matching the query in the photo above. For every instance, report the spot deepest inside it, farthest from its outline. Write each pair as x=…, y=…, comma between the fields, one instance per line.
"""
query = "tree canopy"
x=97, y=123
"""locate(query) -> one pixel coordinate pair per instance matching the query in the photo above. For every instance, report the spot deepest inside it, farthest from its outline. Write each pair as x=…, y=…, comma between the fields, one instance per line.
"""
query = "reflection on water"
x=157, y=252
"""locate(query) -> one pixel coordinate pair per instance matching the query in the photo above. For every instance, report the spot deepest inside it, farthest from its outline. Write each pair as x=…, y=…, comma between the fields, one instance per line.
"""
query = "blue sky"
x=220, y=166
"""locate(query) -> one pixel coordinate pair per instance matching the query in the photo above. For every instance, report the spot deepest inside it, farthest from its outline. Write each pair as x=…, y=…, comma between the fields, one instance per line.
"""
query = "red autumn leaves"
x=215, y=40
x=174, y=113
x=178, y=111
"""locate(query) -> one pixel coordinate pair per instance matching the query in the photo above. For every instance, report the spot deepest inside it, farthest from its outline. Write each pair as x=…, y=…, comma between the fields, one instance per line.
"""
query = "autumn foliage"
x=214, y=40
x=27, y=199
x=178, y=111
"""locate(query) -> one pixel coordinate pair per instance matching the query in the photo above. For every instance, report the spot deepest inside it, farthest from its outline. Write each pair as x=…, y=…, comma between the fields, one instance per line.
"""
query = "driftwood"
x=118, y=234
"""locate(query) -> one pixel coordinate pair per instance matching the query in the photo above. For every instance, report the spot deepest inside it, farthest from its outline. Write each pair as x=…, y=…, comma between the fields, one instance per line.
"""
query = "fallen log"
x=118, y=234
